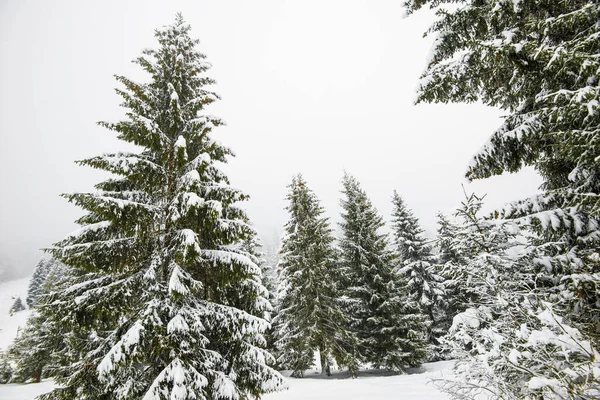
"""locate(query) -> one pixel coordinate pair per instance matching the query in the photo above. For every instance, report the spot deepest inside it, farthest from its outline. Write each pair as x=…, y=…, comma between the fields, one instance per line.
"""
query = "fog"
x=311, y=87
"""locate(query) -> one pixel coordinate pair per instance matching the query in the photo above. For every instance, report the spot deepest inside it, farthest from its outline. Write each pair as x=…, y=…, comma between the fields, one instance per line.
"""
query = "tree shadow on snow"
x=365, y=373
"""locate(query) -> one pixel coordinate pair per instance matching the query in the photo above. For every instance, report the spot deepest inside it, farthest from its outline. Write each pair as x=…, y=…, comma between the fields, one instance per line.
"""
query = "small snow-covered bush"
x=521, y=350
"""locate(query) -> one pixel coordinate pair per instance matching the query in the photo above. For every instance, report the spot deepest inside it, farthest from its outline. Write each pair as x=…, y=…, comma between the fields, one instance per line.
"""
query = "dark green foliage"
x=372, y=297
x=166, y=299
x=39, y=349
x=446, y=260
x=33, y=350
x=310, y=317
x=538, y=60
x=6, y=370
x=37, y=280
x=45, y=275
x=422, y=286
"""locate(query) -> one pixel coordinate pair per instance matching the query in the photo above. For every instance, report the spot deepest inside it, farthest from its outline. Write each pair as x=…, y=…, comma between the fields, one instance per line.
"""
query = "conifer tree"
x=372, y=296
x=538, y=61
x=447, y=251
x=37, y=280
x=17, y=306
x=39, y=349
x=270, y=282
x=6, y=370
x=447, y=262
x=310, y=318
x=33, y=350
x=43, y=269
x=448, y=259
x=166, y=304
x=422, y=285
x=508, y=341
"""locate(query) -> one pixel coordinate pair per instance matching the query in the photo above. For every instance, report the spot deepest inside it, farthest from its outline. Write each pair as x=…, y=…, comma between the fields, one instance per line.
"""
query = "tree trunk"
x=38, y=376
x=325, y=368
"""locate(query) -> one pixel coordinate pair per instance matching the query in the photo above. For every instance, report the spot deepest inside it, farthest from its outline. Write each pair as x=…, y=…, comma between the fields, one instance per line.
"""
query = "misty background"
x=311, y=87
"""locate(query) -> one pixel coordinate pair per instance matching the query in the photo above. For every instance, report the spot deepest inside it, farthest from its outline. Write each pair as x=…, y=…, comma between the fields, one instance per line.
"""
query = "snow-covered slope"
x=9, y=325
x=367, y=386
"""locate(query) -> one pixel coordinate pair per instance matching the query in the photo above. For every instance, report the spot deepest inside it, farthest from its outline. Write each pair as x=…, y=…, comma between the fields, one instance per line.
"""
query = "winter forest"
x=166, y=292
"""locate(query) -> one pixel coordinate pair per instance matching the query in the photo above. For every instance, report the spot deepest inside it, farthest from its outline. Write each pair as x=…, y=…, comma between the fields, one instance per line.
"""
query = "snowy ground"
x=369, y=385
x=9, y=325
x=25, y=392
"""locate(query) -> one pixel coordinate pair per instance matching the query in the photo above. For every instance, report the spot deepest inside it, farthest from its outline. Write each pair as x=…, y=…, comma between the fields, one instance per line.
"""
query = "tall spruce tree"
x=165, y=299
x=448, y=261
x=370, y=288
x=40, y=272
x=310, y=317
x=538, y=61
x=46, y=271
x=422, y=285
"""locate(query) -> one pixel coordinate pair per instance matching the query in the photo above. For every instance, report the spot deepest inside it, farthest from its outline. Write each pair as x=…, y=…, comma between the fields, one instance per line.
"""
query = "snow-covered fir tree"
x=372, y=298
x=37, y=280
x=43, y=269
x=35, y=349
x=270, y=282
x=459, y=241
x=468, y=239
x=310, y=318
x=509, y=342
x=271, y=257
x=422, y=286
x=17, y=306
x=447, y=261
x=6, y=369
x=166, y=303
x=244, y=296
x=446, y=250
x=538, y=60
x=39, y=350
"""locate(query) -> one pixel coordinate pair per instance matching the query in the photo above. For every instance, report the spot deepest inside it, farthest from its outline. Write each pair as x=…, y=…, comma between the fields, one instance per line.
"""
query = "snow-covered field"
x=9, y=325
x=405, y=387
x=369, y=385
x=25, y=392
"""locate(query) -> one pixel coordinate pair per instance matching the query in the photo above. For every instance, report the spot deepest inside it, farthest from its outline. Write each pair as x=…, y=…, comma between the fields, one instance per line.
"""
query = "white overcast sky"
x=316, y=87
